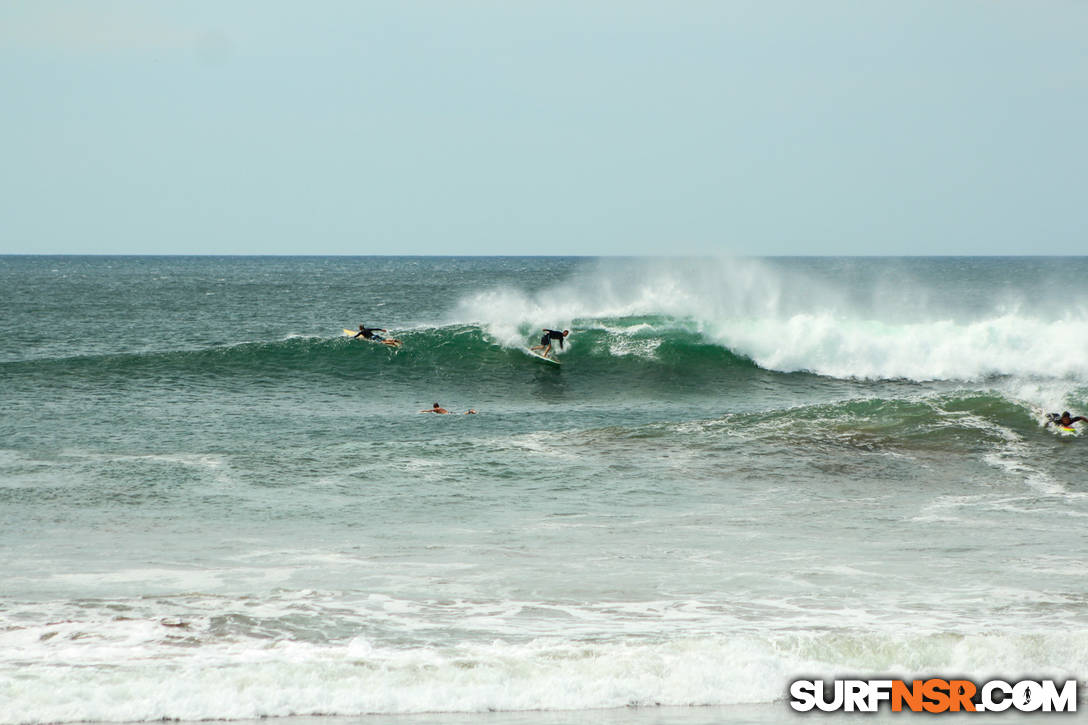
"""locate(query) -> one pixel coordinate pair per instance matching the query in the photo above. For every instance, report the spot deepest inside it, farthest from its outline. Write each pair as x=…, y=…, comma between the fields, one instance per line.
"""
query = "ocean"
x=215, y=506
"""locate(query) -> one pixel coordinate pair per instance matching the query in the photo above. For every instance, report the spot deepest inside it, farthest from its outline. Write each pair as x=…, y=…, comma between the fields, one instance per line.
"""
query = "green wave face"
x=644, y=362
x=448, y=352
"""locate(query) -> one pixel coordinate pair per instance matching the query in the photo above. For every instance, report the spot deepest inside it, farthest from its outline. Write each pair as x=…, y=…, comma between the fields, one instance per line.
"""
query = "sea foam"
x=251, y=679
x=788, y=320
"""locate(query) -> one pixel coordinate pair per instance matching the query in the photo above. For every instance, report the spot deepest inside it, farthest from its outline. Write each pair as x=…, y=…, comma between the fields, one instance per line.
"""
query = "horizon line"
x=544, y=256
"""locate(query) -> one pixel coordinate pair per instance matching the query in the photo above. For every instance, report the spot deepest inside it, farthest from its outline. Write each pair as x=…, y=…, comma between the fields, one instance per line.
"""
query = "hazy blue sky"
x=525, y=127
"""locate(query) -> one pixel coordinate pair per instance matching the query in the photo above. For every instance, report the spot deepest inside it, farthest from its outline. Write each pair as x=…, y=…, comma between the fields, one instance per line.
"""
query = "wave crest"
x=787, y=319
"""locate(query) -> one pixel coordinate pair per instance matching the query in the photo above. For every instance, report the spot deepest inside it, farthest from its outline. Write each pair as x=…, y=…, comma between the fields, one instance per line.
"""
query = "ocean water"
x=214, y=506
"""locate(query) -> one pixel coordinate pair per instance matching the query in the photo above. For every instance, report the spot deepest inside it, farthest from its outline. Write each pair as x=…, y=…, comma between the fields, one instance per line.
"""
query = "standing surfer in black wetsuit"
x=367, y=333
x=546, y=341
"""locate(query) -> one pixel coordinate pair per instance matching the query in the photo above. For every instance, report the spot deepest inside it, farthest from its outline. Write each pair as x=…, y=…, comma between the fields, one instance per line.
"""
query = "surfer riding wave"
x=546, y=341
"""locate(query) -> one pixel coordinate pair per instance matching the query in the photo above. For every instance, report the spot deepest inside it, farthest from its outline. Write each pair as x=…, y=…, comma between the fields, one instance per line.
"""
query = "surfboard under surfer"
x=367, y=333
x=546, y=341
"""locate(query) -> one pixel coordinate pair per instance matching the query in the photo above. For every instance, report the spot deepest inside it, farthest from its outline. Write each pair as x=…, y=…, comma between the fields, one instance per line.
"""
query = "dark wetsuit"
x=550, y=335
x=1055, y=418
x=367, y=333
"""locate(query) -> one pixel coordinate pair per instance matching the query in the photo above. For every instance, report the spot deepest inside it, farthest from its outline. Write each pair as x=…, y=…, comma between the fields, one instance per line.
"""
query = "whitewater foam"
x=146, y=671
x=787, y=321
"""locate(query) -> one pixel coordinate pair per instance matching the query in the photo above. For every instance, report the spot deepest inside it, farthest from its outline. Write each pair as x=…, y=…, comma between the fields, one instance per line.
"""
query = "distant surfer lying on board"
x=367, y=333
x=546, y=341
x=436, y=408
x=1063, y=420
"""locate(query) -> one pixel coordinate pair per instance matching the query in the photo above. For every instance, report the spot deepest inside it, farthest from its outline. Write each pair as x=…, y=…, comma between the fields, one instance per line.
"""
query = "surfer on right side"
x=1063, y=421
x=546, y=341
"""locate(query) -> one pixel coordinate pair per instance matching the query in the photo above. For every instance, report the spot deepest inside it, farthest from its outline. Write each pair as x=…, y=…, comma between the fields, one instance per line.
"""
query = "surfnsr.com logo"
x=934, y=695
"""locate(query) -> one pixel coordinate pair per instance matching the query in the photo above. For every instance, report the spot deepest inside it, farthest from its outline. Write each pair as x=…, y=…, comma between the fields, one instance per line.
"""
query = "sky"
x=619, y=127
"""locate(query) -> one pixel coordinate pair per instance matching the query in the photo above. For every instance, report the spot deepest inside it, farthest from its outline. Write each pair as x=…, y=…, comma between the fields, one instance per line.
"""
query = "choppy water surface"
x=744, y=471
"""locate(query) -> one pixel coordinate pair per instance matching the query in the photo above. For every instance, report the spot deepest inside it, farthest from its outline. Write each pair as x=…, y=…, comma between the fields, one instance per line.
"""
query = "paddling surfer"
x=436, y=408
x=1063, y=420
x=367, y=333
